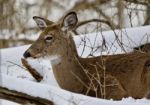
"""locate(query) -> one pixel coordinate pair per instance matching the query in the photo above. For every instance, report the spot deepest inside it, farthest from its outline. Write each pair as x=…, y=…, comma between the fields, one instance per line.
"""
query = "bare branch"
x=83, y=5
x=138, y=2
x=93, y=20
x=22, y=98
x=107, y=18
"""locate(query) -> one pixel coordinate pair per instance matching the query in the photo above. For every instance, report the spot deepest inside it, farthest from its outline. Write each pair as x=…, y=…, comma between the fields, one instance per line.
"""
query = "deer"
x=104, y=76
x=142, y=48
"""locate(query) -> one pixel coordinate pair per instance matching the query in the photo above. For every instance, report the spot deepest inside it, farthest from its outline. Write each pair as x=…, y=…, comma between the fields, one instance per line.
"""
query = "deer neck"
x=67, y=70
x=67, y=53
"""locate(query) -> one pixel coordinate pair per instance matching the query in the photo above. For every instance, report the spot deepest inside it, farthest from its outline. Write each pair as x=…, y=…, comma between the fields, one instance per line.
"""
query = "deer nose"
x=26, y=54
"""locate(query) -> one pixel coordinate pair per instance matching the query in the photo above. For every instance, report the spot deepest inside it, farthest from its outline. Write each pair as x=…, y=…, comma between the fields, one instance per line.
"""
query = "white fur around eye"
x=48, y=38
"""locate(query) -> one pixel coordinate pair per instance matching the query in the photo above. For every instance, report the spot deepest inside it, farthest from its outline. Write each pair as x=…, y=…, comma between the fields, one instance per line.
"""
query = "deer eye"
x=48, y=38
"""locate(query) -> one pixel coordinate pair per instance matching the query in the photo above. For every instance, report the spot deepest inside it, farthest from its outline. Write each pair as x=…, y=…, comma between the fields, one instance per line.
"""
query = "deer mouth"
x=39, y=56
x=34, y=56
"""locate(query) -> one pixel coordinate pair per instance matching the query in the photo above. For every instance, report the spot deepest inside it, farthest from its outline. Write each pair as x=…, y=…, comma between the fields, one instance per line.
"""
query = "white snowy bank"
x=60, y=96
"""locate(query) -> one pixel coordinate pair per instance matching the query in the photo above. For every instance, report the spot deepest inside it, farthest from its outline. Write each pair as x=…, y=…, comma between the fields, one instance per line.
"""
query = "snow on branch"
x=32, y=71
x=22, y=98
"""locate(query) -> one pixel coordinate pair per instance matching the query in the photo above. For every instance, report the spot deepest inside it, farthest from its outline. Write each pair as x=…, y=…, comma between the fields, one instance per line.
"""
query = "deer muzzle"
x=26, y=54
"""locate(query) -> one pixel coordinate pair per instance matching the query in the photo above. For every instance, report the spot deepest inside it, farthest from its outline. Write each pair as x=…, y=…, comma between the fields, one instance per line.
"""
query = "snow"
x=130, y=37
x=12, y=72
x=53, y=93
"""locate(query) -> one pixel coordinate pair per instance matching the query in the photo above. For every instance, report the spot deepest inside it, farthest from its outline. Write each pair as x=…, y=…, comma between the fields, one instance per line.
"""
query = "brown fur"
x=143, y=48
x=113, y=76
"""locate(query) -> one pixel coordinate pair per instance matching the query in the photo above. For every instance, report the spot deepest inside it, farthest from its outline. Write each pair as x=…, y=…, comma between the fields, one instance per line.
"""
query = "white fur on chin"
x=54, y=59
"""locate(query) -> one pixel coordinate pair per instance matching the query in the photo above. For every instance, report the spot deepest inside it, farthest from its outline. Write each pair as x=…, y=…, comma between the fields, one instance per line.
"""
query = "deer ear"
x=69, y=21
x=41, y=22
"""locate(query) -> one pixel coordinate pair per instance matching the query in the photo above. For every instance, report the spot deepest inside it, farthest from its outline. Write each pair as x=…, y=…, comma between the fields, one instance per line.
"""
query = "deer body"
x=130, y=71
x=113, y=76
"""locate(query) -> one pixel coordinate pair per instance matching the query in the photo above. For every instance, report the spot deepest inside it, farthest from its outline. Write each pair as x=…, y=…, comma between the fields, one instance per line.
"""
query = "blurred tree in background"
x=18, y=28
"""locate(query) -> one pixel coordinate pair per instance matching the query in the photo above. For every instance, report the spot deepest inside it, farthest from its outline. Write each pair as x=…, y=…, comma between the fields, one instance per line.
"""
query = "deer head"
x=52, y=37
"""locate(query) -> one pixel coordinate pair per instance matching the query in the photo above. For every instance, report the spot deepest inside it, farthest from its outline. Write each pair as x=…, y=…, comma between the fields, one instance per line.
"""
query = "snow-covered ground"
x=15, y=77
